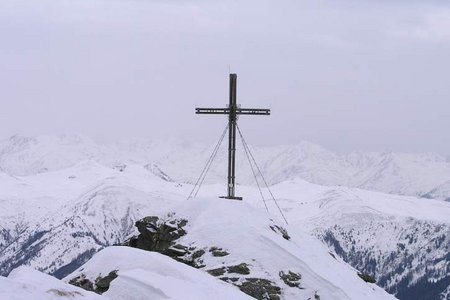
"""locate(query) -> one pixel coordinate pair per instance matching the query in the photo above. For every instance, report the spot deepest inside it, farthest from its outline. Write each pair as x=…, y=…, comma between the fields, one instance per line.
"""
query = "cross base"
x=231, y=198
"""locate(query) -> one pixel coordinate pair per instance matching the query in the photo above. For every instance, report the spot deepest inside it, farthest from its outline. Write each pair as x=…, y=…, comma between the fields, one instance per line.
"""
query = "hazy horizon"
x=345, y=75
x=183, y=140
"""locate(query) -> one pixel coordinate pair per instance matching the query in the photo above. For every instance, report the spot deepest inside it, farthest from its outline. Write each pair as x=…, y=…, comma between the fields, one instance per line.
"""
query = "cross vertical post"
x=232, y=111
x=232, y=138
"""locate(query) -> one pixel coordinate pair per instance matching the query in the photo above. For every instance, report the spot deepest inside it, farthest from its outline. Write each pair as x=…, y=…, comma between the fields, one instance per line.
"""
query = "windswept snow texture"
x=149, y=275
x=247, y=235
x=26, y=283
x=142, y=275
x=65, y=198
x=397, y=173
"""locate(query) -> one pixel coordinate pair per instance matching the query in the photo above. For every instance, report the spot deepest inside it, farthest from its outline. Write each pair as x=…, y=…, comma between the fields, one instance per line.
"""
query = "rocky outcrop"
x=260, y=288
x=161, y=235
x=218, y=252
x=241, y=268
x=367, y=277
x=100, y=285
x=292, y=279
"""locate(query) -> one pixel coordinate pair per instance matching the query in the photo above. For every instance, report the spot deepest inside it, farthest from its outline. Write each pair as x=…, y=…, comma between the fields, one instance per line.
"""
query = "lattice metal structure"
x=232, y=111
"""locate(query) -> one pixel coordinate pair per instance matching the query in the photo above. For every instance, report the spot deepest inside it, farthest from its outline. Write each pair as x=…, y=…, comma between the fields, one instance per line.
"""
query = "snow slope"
x=64, y=211
x=404, y=242
x=142, y=275
x=26, y=283
x=95, y=207
x=247, y=235
x=150, y=275
x=102, y=210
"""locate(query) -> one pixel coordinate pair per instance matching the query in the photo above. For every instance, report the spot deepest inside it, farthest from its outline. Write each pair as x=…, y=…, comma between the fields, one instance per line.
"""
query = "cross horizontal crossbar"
x=226, y=111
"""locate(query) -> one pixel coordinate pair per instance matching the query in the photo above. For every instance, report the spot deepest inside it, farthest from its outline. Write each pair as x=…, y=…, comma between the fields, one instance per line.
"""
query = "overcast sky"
x=348, y=75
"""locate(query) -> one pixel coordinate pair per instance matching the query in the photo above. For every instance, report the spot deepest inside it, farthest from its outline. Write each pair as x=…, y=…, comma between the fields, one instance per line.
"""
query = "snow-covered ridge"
x=181, y=161
x=264, y=255
x=56, y=220
x=26, y=283
x=150, y=275
x=70, y=214
x=143, y=275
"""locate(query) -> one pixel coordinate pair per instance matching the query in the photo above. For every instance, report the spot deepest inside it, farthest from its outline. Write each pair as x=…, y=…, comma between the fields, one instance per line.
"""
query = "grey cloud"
x=350, y=75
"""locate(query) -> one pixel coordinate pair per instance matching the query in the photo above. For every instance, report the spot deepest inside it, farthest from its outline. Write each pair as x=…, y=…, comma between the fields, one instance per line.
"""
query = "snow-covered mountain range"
x=422, y=174
x=440, y=192
x=63, y=199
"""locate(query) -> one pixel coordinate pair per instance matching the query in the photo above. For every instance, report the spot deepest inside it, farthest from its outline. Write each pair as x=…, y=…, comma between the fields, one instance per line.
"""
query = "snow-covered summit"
x=240, y=246
x=253, y=238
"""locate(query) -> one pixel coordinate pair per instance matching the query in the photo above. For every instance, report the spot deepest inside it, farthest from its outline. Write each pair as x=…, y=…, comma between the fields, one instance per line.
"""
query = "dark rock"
x=292, y=279
x=281, y=230
x=193, y=258
x=198, y=254
x=229, y=279
x=260, y=288
x=82, y=282
x=176, y=250
x=159, y=236
x=217, y=272
x=102, y=283
x=100, y=286
x=239, y=269
x=218, y=252
x=367, y=278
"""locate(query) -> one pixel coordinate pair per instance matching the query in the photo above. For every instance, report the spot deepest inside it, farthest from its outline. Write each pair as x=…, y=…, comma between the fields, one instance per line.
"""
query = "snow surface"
x=150, y=275
x=142, y=275
x=26, y=283
x=246, y=234
x=55, y=212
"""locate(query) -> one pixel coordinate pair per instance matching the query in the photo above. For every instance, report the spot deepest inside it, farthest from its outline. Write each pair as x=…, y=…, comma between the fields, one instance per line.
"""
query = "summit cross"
x=232, y=111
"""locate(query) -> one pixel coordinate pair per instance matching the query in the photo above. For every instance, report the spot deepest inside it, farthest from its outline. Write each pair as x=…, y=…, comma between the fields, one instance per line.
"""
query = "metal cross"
x=232, y=111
